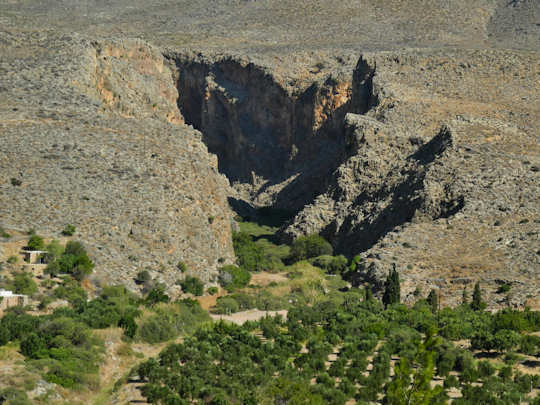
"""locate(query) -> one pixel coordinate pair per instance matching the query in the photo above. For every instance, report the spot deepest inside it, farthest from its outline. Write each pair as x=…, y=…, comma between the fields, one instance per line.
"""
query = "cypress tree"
x=433, y=301
x=392, y=290
x=368, y=293
x=477, y=304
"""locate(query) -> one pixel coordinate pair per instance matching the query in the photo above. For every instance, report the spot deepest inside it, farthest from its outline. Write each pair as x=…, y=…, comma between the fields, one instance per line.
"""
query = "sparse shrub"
x=14, y=396
x=24, y=284
x=226, y=305
x=192, y=285
x=232, y=277
x=181, y=266
x=35, y=243
x=4, y=234
x=156, y=295
x=504, y=288
x=331, y=264
x=12, y=259
x=142, y=277
x=16, y=182
x=69, y=230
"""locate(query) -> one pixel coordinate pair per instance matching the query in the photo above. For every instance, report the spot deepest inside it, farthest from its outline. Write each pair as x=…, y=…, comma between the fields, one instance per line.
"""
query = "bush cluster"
x=232, y=277
x=72, y=260
x=307, y=247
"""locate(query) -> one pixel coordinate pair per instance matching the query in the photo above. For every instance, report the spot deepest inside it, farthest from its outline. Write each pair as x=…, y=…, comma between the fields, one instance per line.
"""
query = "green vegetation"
x=14, y=396
x=69, y=230
x=72, y=260
x=156, y=295
x=331, y=264
x=477, y=304
x=4, y=234
x=61, y=347
x=167, y=321
x=35, y=243
x=504, y=288
x=392, y=291
x=23, y=283
x=181, y=266
x=192, y=285
x=232, y=277
x=306, y=247
x=273, y=360
x=433, y=301
x=12, y=259
x=337, y=343
x=142, y=277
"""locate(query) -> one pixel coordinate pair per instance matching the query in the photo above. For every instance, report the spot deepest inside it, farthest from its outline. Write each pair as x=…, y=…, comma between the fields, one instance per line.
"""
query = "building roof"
x=7, y=293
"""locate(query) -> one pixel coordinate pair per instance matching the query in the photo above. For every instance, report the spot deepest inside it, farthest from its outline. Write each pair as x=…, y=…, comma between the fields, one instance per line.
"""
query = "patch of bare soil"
x=264, y=278
x=251, y=315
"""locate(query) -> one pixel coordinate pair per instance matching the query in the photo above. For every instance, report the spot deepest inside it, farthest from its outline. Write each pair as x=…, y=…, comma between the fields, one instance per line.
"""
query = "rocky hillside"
x=91, y=136
x=403, y=132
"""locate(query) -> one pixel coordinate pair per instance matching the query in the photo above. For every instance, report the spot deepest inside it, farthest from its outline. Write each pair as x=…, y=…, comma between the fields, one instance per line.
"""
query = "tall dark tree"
x=392, y=290
x=368, y=293
x=477, y=304
x=433, y=301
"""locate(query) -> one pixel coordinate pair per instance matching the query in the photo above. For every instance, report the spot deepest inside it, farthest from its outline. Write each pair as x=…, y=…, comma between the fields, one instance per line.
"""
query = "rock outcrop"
x=405, y=132
x=92, y=133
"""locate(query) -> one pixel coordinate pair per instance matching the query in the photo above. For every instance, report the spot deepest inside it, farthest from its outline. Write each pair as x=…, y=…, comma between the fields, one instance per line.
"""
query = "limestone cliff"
x=92, y=132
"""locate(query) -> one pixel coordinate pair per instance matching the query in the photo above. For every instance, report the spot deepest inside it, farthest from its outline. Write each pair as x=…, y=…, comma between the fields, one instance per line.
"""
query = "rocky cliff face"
x=403, y=134
x=440, y=175
x=93, y=133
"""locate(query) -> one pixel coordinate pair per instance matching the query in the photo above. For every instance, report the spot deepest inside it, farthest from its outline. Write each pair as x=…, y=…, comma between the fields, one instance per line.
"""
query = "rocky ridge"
x=405, y=134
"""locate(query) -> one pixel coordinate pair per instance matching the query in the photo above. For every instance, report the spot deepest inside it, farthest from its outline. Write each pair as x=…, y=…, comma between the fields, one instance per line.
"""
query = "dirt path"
x=251, y=315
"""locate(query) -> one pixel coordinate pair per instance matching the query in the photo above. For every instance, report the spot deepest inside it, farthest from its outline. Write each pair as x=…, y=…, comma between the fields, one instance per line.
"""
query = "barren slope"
x=435, y=167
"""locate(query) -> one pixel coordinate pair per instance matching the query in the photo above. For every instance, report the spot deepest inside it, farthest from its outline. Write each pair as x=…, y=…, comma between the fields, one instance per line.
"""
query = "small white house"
x=8, y=299
x=34, y=256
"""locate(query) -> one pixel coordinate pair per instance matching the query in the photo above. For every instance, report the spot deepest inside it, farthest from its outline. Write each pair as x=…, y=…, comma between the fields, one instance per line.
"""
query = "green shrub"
x=156, y=295
x=35, y=243
x=23, y=283
x=4, y=234
x=75, y=261
x=232, y=277
x=192, y=285
x=54, y=251
x=181, y=266
x=226, y=305
x=250, y=256
x=181, y=317
x=14, y=396
x=212, y=290
x=69, y=230
x=156, y=329
x=142, y=277
x=306, y=247
x=504, y=288
x=12, y=259
x=331, y=264
x=71, y=291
